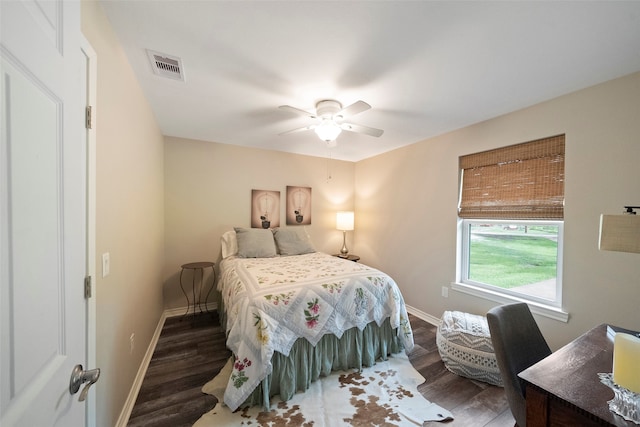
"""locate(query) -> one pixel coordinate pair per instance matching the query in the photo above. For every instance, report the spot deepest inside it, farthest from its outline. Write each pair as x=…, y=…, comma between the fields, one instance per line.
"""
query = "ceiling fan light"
x=328, y=130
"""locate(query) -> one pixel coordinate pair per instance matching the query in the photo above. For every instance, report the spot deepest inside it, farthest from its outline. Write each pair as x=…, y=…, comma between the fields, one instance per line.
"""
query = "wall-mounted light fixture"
x=344, y=222
x=620, y=233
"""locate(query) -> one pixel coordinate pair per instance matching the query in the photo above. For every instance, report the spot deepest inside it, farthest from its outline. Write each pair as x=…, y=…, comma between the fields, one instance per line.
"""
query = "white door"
x=90, y=84
x=42, y=206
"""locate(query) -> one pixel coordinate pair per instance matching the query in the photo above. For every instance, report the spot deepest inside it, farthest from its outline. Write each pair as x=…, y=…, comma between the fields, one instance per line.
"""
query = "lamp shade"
x=620, y=233
x=344, y=221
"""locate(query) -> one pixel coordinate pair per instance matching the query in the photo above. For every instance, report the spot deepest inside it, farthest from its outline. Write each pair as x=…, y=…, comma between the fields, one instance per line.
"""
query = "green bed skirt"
x=306, y=363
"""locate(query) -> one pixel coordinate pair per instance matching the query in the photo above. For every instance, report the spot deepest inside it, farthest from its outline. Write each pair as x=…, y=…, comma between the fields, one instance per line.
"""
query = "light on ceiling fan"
x=328, y=130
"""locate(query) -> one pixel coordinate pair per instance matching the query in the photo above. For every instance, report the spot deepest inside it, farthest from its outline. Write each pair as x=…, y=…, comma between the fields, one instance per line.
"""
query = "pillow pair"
x=261, y=243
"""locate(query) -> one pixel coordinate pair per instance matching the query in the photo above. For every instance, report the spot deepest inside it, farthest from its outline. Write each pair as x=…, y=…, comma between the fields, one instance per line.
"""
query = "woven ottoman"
x=464, y=344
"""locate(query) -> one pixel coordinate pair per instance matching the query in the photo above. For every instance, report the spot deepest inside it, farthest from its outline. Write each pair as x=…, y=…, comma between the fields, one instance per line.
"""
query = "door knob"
x=78, y=377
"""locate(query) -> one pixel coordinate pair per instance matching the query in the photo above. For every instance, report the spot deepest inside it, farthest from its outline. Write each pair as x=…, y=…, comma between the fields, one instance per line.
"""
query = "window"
x=519, y=258
x=511, y=210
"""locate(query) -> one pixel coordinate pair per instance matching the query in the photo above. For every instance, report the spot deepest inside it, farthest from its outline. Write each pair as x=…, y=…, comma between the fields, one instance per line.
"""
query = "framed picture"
x=265, y=209
x=298, y=205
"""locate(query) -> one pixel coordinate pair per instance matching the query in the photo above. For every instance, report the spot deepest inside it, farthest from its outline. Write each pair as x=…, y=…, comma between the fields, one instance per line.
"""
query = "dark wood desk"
x=563, y=389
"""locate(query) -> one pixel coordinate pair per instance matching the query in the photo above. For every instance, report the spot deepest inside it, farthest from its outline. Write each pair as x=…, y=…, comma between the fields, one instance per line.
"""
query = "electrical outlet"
x=132, y=342
x=106, y=264
x=445, y=292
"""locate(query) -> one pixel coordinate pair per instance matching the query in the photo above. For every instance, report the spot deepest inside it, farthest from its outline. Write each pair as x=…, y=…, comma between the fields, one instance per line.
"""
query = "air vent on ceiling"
x=166, y=65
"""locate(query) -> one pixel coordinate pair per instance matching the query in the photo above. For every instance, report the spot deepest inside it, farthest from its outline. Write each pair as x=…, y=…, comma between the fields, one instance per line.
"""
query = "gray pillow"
x=255, y=243
x=292, y=242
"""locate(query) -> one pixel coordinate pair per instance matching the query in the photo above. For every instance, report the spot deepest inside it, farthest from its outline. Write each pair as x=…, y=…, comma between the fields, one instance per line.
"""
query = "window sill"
x=536, y=307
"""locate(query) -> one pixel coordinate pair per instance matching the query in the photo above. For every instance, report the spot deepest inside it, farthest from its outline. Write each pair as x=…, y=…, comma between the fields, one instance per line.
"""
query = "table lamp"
x=344, y=222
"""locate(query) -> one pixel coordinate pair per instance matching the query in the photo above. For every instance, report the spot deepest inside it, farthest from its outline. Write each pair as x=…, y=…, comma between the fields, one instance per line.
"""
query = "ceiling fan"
x=330, y=118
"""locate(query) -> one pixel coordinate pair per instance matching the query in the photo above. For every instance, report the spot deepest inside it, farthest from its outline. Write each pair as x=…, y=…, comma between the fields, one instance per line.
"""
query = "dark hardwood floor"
x=189, y=353
x=192, y=351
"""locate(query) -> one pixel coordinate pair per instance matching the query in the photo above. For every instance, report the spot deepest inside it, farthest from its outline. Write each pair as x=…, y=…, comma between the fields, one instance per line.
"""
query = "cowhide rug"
x=385, y=394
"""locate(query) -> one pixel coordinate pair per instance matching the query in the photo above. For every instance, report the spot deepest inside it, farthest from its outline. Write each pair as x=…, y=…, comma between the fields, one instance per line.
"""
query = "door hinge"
x=87, y=287
x=88, y=117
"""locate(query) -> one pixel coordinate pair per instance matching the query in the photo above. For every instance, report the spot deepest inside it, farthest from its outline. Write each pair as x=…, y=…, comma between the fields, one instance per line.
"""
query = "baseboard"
x=423, y=316
x=182, y=311
x=125, y=414
x=123, y=420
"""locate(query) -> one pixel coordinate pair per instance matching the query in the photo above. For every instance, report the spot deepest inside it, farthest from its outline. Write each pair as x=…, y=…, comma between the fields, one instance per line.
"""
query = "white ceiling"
x=425, y=67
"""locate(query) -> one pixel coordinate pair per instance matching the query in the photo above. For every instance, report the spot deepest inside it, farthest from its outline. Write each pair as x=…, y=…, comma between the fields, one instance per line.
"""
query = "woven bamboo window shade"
x=522, y=181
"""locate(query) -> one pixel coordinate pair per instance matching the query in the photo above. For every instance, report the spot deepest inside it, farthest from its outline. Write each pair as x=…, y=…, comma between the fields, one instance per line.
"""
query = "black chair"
x=518, y=344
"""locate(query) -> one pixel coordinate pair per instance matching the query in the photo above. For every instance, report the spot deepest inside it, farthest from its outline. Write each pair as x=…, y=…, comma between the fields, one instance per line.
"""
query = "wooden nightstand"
x=350, y=257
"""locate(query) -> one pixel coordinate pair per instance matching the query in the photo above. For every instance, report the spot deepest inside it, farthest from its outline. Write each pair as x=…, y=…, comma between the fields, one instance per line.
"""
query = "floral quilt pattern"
x=271, y=302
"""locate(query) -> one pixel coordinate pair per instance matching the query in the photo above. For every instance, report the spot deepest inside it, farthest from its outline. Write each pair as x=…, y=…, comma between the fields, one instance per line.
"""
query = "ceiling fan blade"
x=351, y=127
x=353, y=109
x=310, y=127
x=297, y=111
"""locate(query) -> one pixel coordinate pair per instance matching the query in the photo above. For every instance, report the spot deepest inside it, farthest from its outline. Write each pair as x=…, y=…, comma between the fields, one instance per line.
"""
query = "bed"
x=293, y=314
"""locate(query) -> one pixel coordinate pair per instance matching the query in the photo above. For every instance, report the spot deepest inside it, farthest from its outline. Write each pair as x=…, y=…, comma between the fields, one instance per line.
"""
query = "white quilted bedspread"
x=271, y=302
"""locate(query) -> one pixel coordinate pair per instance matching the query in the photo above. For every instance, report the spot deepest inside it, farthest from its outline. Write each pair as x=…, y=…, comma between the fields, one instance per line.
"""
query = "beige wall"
x=406, y=204
x=129, y=218
x=208, y=191
x=163, y=202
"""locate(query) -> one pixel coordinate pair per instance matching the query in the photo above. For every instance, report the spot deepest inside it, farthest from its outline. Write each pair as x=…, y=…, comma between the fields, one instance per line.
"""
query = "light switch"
x=105, y=264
